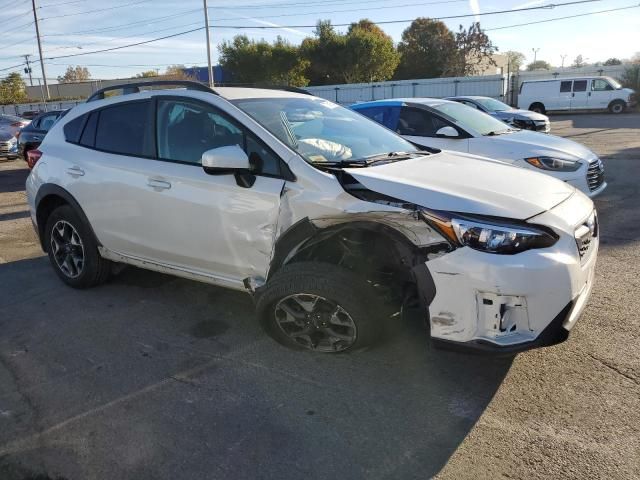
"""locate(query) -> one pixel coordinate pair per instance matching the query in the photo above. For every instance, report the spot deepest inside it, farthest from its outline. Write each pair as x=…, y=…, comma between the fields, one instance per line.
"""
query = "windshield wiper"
x=493, y=133
x=388, y=157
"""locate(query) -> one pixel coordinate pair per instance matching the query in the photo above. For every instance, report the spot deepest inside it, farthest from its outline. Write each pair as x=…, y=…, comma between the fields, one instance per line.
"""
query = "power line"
x=317, y=4
x=9, y=32
x=562, y=18
x=348, y=10
x=387, y=22
x=87, y=12
x=61, y=3
x=125, y=25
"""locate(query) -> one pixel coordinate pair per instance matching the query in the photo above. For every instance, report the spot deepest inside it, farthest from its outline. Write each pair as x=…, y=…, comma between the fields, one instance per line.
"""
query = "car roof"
x=429, y=102
x=566, y=79
x=237, y=93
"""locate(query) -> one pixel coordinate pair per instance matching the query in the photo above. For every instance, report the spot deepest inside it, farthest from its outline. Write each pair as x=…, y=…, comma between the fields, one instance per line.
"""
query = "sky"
x=70, y=27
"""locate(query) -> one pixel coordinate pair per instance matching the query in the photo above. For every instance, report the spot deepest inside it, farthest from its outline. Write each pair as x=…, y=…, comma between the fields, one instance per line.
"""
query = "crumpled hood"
x=518, y=113
x=465, y=183
x=545, y=144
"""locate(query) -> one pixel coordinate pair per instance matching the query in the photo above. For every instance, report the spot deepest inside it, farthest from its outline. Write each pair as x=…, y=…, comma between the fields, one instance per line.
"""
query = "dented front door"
x=208, y=223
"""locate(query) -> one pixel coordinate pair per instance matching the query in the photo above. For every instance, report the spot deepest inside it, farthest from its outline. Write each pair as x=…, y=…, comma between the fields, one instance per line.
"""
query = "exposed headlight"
x=486, y=236
x=555, y=164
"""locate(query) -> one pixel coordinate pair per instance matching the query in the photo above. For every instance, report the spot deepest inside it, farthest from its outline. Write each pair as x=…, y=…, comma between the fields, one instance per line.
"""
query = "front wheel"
x=320, y=307
x=538, y=108
x=617, y=107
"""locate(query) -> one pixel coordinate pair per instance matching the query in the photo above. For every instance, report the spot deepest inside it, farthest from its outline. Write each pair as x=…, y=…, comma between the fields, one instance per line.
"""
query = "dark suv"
x=32, y=135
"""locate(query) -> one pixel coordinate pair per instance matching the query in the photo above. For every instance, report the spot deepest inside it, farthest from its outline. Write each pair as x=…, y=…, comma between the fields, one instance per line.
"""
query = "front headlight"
x=486, y=236
x=555, y=164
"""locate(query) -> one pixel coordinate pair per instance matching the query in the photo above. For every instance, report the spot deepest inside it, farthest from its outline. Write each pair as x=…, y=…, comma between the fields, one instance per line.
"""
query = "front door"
x=600, y=94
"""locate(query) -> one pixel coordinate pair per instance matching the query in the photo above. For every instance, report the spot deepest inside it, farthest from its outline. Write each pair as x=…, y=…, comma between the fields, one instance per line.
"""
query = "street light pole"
x=535, y=54
x=206, y=22
x=562, y=57
x=44, y=75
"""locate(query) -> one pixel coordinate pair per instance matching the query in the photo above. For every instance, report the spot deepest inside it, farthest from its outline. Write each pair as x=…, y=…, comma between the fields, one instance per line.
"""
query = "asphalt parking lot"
x=153, y=377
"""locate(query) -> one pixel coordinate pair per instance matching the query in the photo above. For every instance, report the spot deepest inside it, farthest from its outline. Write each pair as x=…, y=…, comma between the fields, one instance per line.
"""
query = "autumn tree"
x=474, y=52
x=147, y=74
x=75, y=74
x=539, y=65
x=425, y=49
x=515, y=60
x=12, y=89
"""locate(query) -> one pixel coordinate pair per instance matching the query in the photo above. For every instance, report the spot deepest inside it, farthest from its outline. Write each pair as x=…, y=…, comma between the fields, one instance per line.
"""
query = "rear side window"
x=565, y=86
x=415, y=121
x=122, y=128
x=580, y=86
x=387, y=116
x=73, y=129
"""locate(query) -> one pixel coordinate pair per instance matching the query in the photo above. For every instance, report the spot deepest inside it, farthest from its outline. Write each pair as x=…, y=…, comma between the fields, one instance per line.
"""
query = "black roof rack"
x=128, y=88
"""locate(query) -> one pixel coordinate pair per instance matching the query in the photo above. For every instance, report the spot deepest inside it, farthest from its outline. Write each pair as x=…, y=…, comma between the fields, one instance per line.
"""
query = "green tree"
x=75, y=74
x=474, y=52
x=12, y=89
x=579, y=62
x=612, y=61
x=321, y=51
x=426, y=49
x=515, y=59
x=259, y=62
x=539, y=65
x=369, y=54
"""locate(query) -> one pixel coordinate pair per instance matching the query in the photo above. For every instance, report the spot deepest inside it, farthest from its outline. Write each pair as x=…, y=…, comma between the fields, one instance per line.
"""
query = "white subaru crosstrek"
x=331, y=221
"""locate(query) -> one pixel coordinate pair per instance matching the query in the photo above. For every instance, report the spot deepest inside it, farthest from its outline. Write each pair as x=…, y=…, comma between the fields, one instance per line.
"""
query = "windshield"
x=493, y=105
x=614, y=83
x=471, y=119
x=321, y=131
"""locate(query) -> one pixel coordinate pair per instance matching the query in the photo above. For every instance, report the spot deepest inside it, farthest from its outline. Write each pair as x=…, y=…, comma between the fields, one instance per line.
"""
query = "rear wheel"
x=320, y=307
x=538, y=108
x=617, y=106
x=73, y=250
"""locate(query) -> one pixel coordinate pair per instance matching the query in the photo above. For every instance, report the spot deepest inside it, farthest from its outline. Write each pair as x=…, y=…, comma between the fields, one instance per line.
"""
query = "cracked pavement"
x=154, y=377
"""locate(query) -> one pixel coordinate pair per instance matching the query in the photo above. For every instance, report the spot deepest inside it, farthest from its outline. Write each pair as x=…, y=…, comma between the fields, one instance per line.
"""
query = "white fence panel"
x=489, y=85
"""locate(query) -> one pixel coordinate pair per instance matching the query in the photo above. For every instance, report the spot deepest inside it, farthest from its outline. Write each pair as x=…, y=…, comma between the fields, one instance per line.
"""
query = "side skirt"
x=173, y=270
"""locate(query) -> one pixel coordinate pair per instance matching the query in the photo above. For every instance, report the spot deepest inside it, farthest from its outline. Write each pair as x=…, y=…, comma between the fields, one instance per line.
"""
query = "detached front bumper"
x=510, y=303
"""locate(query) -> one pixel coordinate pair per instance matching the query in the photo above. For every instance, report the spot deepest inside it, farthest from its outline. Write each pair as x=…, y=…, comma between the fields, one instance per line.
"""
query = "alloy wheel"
x=67, y=249
x=315, y=323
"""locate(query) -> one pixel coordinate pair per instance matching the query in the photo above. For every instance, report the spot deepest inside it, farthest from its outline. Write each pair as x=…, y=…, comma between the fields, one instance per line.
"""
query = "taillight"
x=32, y=157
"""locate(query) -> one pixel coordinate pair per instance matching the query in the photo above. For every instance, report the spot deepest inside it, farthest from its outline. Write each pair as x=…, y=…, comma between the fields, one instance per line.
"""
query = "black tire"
x=617, y=107
x=351, y=294
x=538, y=108
x=93, y=269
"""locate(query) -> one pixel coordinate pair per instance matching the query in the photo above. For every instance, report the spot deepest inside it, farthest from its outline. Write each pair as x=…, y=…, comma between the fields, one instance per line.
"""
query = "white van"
x=580, y=93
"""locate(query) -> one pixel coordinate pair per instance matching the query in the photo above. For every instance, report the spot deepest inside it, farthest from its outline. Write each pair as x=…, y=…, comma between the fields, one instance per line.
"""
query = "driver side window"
x=187, y=129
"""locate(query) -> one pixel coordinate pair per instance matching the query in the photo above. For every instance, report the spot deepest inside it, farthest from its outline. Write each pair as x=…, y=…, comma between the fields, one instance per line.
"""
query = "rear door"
x=421, y=126
x=580, y=95
x=563, y=99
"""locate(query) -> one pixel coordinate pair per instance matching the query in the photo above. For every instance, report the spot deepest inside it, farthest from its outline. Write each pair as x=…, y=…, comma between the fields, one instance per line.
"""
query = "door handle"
x=158, y=184
x=589, y=93
x=75, y=172
x=573, y=94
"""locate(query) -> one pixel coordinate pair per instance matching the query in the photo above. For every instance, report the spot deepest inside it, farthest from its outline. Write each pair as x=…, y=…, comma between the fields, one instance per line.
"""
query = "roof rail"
x=128, y=88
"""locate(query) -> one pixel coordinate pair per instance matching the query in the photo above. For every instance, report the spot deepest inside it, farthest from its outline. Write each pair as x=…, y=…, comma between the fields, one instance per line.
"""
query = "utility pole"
x=28, y=69
x=535, y=54
x=206, y=22
x=563, y=57
x=44, y=74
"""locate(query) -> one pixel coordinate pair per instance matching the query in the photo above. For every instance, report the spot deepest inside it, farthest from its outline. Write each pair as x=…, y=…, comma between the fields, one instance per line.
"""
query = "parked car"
x=12, y=123
x=525, y=119
x=572, y=94
x=453, y=126
x=8, y=144
x=30, y=114
x=317, y=212
x=30, y=137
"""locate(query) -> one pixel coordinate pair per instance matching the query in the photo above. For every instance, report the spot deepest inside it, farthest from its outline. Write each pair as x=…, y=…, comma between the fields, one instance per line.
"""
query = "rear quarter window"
x=73, y=129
